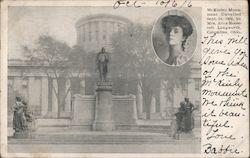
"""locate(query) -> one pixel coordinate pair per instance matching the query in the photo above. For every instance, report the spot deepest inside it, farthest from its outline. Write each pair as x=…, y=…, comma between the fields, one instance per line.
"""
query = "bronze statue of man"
x=102, y=60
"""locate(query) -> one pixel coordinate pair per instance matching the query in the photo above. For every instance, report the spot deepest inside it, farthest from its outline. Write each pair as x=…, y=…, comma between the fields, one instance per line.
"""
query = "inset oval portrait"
x=174, y=37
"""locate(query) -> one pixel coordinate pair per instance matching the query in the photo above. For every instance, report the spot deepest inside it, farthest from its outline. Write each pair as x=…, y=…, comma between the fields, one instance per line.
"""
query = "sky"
x=25, y=24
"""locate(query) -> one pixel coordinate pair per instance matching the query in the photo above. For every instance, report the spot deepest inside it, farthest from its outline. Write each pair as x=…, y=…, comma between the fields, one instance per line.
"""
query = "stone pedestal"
x=183, y=135
x=23, y=135
x=83, y=111
x=187, y=135
x=155, y=116
x=103, y=110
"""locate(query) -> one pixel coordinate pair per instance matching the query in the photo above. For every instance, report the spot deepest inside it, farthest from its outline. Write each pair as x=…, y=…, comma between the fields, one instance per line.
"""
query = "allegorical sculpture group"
x=184, y=121
x=22, y=116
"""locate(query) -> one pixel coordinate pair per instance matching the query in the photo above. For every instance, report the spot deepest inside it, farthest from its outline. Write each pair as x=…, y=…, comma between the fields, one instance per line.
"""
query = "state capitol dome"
x=95, y=31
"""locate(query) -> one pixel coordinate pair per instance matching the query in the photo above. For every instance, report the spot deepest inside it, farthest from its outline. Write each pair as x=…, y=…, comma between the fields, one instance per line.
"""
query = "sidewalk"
x=174, y=147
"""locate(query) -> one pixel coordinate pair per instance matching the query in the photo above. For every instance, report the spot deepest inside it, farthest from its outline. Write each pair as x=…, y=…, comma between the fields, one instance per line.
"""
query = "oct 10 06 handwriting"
x=155, y=3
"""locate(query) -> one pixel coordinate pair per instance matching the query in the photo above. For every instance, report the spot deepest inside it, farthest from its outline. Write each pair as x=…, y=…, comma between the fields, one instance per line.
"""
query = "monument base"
x=23, y=135
x=185, y=135
x=103, y=126
x=103, y=109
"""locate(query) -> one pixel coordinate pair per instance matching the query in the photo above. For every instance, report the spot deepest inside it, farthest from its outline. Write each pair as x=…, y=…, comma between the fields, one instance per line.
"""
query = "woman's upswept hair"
x=173, y=21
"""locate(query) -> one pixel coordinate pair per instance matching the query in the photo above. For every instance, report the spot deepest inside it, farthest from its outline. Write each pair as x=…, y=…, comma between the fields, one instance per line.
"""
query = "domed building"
x=95, y=31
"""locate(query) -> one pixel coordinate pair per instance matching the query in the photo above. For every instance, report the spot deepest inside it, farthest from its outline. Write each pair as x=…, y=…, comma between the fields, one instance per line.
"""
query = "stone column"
x=139, y=101
x=68, y=97
x=87, y=29
x=152, y=107
x=103, y=110
x=24, y=88
x=100, y=28
x=44, y=96
x=178, y=97
x=134, y=106
x=54, y=98
x=82, y=88
x=191, y=88
x=163, y=100
x=17, y=86
x=31, y=85
x=194, y=95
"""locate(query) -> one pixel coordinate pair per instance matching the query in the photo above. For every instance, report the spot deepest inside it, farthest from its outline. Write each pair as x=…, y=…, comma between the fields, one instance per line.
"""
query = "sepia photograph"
x=124, y=78
x=91, y=79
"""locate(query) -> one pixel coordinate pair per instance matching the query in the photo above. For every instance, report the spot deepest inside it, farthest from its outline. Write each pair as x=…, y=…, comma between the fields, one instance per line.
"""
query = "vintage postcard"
x=124, y=78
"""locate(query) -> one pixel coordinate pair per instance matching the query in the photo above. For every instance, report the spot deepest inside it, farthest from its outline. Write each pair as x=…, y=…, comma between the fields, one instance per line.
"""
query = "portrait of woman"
x=171, y=46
